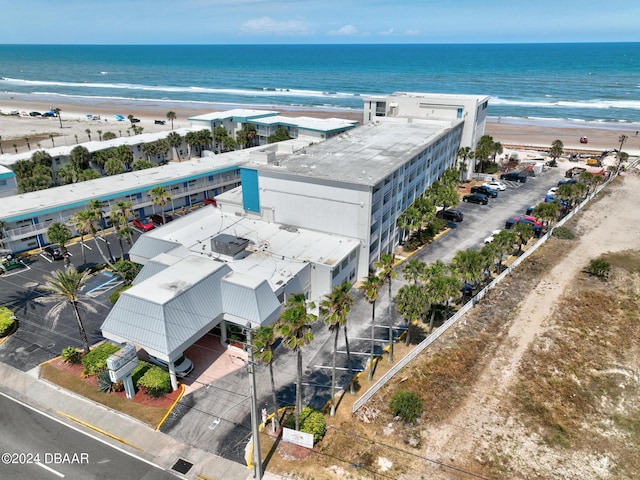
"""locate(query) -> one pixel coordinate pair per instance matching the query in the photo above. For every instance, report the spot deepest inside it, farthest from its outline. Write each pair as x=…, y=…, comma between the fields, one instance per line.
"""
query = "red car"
x=143, y=224
x=584, y=140
x=209, y=201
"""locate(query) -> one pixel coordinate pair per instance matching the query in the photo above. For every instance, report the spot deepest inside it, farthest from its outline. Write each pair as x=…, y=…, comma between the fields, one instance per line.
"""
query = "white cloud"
x=412, y=32
x=347, y=30
x=266, y=25
x=387, y=32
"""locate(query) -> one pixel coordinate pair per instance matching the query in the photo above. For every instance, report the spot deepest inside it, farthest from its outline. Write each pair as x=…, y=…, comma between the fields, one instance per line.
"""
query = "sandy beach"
x=75, y=123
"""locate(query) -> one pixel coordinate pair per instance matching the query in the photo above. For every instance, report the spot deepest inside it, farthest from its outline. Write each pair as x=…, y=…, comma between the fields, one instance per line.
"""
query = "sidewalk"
x=119, y=429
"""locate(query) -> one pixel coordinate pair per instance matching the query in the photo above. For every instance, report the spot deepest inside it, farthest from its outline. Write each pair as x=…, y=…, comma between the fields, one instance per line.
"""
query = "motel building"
x=300, y=222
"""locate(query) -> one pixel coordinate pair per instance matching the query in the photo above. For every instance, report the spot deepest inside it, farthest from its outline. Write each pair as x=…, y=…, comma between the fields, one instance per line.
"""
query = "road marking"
x=55, y=472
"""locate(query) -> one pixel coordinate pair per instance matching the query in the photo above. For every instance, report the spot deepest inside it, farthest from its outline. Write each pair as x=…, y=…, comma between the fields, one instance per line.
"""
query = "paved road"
x=34, y=445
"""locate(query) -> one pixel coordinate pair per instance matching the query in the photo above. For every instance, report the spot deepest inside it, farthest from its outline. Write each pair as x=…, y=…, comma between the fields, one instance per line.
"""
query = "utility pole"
x=257, y=457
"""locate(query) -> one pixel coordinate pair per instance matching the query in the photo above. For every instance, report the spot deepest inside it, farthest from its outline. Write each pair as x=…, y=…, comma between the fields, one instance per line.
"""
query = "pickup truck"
x=574, y=172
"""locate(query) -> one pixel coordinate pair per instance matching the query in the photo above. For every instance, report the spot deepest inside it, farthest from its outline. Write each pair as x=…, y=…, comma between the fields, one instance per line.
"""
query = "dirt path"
x=610, y=224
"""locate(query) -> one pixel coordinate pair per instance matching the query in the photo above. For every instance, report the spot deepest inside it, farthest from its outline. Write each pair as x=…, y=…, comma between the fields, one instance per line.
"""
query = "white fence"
x=467, y=306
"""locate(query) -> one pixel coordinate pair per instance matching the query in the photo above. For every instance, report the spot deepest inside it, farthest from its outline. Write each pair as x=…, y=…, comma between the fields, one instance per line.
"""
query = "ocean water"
x=587, y=82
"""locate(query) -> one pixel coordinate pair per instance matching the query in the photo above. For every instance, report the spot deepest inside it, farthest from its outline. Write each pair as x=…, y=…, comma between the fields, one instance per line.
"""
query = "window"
x=335, y=272
x=459, y=115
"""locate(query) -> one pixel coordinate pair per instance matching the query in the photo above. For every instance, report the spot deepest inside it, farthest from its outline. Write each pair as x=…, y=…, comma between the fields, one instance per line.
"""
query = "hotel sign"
x=299, y=438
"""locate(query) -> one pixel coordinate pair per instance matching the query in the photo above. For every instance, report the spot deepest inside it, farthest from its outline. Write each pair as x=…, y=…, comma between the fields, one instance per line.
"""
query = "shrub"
x=156, y=381
x=71, y=355
x=96, y=360
x=104, y=382
x=115, y=295
x=311, y=421
x=7, y=321
x=563, y=233
x=599, y=268
x=406, y=405
x=140, y=370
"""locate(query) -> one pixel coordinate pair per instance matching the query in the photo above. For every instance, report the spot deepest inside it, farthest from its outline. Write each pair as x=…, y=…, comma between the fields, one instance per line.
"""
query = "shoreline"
x=511, y=131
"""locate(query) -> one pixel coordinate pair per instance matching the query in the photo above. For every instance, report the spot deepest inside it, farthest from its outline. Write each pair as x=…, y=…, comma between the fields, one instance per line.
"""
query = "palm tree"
x=263, y=342
x=557, y=147
x=410, y=303
x=99, y=134
x=82, y=223
x=88, y=132
x=468, y=266
x=64, y=287
x=52, y=137
x=57, y=111
x=1, y=151
x=385, y=264
x=124, y=207
x=523, y=232
x=159, y=196
x=60, y=234
x=621, y=139
x=171, y=116
x=335, y=308
x=175, y=140
x=413, y=270
x=370, y=288
x=96, y=207
x=294, y=327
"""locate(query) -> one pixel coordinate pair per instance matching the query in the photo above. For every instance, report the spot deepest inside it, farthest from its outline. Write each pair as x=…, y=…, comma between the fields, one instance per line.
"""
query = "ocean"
x=552, y=83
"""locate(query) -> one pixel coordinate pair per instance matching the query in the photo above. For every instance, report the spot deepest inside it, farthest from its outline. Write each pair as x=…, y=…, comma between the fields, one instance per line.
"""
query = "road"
x=35, y=445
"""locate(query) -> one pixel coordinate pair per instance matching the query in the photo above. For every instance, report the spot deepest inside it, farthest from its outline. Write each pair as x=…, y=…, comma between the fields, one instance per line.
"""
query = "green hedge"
x=156, y=381
x=6, y=321
x=406, y=405
x=96, y=360
x=311, y=421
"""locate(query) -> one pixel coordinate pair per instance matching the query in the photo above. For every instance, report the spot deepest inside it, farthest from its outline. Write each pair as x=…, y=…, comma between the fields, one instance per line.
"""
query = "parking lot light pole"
x=257, y=457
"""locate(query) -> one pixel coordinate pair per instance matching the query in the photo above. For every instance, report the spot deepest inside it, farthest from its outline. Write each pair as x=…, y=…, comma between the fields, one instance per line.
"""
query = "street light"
x=257, y=457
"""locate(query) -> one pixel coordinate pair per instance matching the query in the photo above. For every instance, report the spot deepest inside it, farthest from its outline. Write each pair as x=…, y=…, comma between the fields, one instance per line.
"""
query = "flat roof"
x=364, y=155
x=276, y=253
x=94, y=146
x=433, y=96
x=243, y=114
x=308, y=123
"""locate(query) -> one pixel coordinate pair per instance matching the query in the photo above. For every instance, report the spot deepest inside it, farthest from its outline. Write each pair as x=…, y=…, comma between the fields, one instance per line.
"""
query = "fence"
x=467, y=306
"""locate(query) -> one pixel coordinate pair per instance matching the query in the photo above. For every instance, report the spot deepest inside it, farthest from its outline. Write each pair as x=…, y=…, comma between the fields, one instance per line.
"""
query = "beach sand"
x=46, y=132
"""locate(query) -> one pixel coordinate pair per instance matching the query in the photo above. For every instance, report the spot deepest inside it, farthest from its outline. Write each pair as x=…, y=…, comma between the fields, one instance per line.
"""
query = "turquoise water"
x=597, y=82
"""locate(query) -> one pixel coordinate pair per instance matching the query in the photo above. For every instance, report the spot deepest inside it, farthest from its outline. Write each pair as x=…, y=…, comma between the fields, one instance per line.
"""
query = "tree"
x=96, y=207
x=99, y=134
x=219, y=134
x=124, y=208
x=468, y=266
x=547, y=211
x=64, y=287
x=142, y=164
x=114, y=166
x=335, y=308
x=504, y=242
x=88, y=132
x=413, y=270
x=175, y=140
x=464, y=153
x=280, y=135
x=556, y=150
x=57, y=112
x=370, y=288
x=109, y=136
x=1, y=150
x=171, y=116
x=410, y=302
x=523, y=232
x=79, y=158
x=441, y=286
x=59, y=233
x=26, y=139
x=387, y=273
x=82, y=223
x=159, y=197
x=263, y=349
x=294, y=327
x=621, y=139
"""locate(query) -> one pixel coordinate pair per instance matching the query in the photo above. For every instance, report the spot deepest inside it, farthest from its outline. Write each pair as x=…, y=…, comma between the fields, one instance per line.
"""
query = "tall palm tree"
x=263, y=342
x=335, y=308
x=413, y=270
x=63, y=288
x=57, y=111
x=59, y=233
x=124, y=207
x=159, y=196
x=175, y=140
x=370, y=288
x=26, y=139
x=1, y=151
x=88, y=132
x=82, y=223
x=410, y=303
x=621, y=139
x=387, y=273
x=96, y=206
x=294, y=327
x=468, y=266
x=171, y=116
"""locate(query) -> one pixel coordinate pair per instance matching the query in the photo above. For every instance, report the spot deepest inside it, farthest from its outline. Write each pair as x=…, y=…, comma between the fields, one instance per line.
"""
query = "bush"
x=140, y=370
x=406, y=405
x=311, y=421
x=96, y=360
x=156, y=381
x=599, y=268
x=71, y=355
x=115, y=295
x=7, y=321
x=563, y=233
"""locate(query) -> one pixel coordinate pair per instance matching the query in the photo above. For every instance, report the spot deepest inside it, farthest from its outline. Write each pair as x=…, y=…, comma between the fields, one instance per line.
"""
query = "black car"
x=54, y=253
x=476, y=198
x=514, y=177
x=158, y=220
x=489, y=192
x=135, y=120
x=159, y=122
x=450, y=215
x=35, y=114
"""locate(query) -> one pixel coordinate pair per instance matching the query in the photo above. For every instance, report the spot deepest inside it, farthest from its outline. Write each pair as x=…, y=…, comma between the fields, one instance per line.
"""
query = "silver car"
x=183, y=365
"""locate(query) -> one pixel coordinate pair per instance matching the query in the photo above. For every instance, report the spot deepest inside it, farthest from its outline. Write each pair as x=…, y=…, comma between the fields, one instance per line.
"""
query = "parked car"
x=35, y=114
x=584, y=140
x=450, y=215
x=568, y=181
x=49, y=114
x=552, y=191
x=489, y=192
x=159, y=122
x=143, y=224
x=135, y=120
x=476, y=198
x=534, y=222
x=514, y=177
x=210, y=201
x=495, y=185
x=157, y=219
x=53, y=252
x=183, y=365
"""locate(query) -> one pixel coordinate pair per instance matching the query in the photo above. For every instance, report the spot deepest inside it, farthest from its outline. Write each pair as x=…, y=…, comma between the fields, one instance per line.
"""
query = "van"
x=183, y=365
x=450, y=215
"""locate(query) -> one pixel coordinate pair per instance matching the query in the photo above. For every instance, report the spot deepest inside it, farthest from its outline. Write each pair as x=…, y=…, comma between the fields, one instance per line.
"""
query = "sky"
x=317, y=21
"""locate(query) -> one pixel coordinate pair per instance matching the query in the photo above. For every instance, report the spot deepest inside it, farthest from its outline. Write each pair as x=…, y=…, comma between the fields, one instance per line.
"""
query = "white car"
x=495, y=185
x=183, y=365
x=552, y=191
x=490, y=238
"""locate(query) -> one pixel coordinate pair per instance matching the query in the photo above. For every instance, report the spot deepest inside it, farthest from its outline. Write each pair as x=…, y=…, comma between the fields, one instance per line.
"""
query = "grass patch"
x=67, y=380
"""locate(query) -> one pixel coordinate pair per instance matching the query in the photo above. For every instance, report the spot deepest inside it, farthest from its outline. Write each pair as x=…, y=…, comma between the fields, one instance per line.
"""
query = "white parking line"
x=55, y=472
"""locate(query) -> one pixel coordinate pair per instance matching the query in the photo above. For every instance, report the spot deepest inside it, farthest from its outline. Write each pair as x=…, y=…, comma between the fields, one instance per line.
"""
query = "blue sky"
x=317, y=21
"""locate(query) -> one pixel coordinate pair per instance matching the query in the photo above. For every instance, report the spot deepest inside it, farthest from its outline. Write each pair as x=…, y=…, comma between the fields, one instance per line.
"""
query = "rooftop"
x=240, y=114
x=365, y=155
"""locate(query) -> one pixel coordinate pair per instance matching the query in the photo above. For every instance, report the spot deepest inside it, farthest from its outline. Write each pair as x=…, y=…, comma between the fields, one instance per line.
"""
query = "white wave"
x=598, y=104
x=265, y=91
